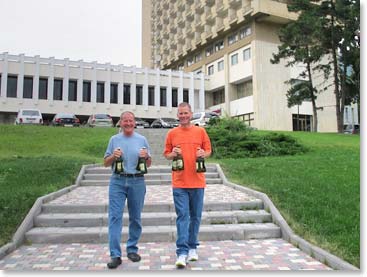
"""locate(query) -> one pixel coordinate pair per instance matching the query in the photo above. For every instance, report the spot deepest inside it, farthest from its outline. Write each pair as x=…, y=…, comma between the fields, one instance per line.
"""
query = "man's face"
x=184, y=115
x=127, y=123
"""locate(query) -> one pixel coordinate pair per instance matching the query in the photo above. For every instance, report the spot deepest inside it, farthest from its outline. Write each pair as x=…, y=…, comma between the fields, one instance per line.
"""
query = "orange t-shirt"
x=189, y=139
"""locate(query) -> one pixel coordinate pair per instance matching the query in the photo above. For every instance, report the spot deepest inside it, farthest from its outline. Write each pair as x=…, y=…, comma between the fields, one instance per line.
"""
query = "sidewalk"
x=254, y=254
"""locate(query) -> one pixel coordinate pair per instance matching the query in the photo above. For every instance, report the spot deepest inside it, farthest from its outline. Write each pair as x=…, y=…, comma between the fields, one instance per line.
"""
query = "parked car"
x=165, y=122
x=100, y=120
x=350, y=129
x=29, y=116
x=66, y=120
x=139, y=123
x=202, y=118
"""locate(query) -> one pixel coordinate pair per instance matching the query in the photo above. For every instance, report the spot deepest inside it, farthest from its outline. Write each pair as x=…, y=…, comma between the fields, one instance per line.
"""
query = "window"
x=72, y=90
x=302, y=122
x=211, y=70
x=190, y=61
x=42, y=88
x=244, y=89
x=219, y=45
x=28, y=87
x=127, y=94
x=100, y=92
x=11, y=90
x=163, y=97
x=139, y=95
x=232, y=38
x=220, y=65
x=197, y=57
x=218, y=97
x=151, y=96
x=174, y=97
x=234, y=59
x=209, y=51
x=247, y=54
x=87, y=91
x=245, y=32
x=186, y=96
x=114, y=93
x=57, y=89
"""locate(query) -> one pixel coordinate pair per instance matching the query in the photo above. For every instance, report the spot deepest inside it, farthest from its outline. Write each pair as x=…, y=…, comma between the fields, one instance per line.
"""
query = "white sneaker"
x=181, y=261
x=193, y=255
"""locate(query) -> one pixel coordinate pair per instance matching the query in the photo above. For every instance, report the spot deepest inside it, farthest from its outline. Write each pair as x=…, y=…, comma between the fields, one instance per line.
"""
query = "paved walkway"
x=271, y=254
x=268, y=254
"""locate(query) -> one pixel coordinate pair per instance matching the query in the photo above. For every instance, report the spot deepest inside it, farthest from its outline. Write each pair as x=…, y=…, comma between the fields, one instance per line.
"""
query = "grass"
x=318, y=192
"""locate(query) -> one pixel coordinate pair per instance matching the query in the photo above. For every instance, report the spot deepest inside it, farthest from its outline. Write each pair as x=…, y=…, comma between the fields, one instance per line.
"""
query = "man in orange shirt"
x=188, y=185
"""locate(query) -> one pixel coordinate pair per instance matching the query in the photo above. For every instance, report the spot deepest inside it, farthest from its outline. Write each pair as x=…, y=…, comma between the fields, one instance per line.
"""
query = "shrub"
x=232, y=138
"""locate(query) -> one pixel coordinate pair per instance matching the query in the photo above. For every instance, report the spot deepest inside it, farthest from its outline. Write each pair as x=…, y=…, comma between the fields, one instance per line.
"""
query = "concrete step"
x=153, y=233
x=149, y=219
x=255, y=204
x=147, y=182
x=149, y=176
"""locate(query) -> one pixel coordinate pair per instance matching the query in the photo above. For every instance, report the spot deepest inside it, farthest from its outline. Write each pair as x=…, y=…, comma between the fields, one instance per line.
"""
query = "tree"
x=301, y=45
x=339, y=25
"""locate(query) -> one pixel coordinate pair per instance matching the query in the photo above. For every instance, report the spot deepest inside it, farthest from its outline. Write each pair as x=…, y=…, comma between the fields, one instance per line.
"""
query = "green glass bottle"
x=142, y=165
x=119, y=166
x=200, y=164
x=177, y=162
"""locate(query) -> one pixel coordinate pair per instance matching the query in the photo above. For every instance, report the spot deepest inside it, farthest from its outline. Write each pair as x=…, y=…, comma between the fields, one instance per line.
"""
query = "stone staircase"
x=80, y=216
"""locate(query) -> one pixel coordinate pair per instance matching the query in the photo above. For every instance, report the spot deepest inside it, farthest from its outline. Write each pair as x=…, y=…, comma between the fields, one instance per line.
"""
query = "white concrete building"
x=232, y=42
x=55, y=85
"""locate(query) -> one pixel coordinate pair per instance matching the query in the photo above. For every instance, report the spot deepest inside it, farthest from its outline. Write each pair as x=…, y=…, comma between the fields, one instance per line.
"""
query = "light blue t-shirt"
x=130, y=147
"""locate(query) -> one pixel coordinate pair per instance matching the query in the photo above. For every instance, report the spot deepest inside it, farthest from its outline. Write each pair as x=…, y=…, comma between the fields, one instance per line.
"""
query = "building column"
x=79, y=97
x=120, y=88
x=50, y=82
x=20, y=80
x=36, y=80
x=202, y=93
x=93, y=97
x=133, y=89
x=169, y=91
x=180, y=89
x=157, y=90
x=227, y=99
x=65, y=83
x=4, y=78
x=145, y=89
x=107, y=86
x=192, y=91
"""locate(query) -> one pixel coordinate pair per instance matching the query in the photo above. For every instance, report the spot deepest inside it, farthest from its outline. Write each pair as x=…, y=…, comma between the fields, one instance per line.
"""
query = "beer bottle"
x=200, y=164
x=178, y=163
x=142, y=164
x=119, y=165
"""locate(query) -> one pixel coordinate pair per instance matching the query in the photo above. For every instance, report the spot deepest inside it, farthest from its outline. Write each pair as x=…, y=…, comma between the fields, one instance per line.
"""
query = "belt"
x=131, y=175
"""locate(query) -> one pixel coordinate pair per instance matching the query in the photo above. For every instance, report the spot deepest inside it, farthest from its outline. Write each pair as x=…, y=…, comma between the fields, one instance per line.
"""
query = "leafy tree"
x=300, y=45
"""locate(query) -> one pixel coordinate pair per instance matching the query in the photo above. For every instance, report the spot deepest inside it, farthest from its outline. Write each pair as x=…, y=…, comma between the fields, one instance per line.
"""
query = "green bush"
x=232, y=138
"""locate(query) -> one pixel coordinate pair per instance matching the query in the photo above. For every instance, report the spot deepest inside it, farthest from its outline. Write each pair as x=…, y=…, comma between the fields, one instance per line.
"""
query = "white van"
x=202, y=118
x=29, y=116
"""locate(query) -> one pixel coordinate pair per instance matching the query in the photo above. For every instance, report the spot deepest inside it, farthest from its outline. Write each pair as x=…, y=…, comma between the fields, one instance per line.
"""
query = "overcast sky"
x=92, y=30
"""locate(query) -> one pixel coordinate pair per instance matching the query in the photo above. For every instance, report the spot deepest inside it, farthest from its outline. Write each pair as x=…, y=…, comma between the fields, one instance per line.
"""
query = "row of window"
x=219, y=45
x=12, y=83
x=234, y=60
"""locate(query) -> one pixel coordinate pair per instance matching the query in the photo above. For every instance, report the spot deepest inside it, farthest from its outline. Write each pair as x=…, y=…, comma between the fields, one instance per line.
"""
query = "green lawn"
x=318, y=193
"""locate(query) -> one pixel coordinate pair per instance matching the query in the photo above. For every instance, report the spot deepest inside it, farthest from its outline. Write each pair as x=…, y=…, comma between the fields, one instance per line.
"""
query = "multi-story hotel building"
x=232, y=42
x=85, y=88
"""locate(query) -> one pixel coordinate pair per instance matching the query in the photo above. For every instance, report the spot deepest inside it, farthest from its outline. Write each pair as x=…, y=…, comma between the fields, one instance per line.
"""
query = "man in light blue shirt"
x=127, y=184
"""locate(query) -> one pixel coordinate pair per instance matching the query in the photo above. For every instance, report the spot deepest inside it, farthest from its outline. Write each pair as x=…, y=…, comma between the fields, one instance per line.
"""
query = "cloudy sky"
x=92, y=30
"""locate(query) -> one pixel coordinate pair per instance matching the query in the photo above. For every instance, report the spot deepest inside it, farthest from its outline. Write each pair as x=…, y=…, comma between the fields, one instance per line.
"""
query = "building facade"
x=84, y=88
x=232, y=42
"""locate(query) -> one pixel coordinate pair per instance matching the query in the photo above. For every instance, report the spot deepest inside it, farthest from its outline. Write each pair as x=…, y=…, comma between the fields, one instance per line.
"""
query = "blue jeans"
x=122, y=188
x=189, y=206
